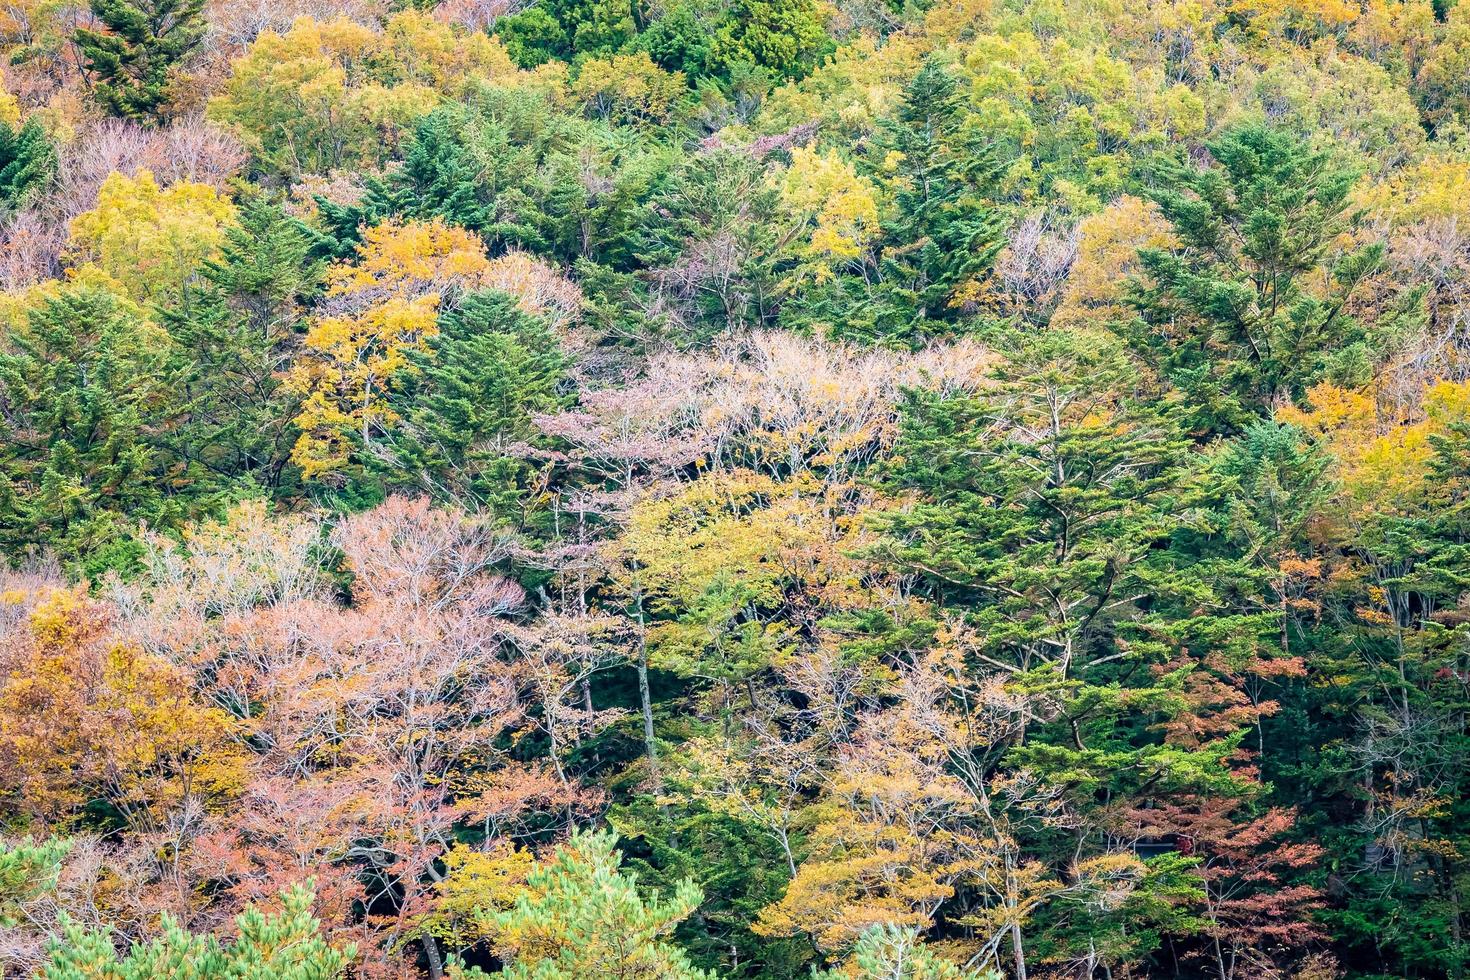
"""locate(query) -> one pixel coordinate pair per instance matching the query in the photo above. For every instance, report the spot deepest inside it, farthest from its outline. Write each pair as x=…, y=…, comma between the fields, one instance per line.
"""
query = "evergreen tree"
x=942, y=236
x=887, y=952
x=1404, y=673
x=27, y=162
x=471, y=394
x=709, y=217
x=738, y=866
x=1047, y=517
x=581, y=916
x=286, y=945
x=133, y=60
x=234, y=334
x=439, y=179
x=568, y=28
x=28, y=873
x=85, y=395
x=1227, y=317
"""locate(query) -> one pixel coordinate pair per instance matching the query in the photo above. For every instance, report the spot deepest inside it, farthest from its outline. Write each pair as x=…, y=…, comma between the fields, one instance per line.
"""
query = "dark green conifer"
x=85, y=396
x=1226, y=316
x=470, y=396
x=27, y=162
x=133, y=61
x=235, y=333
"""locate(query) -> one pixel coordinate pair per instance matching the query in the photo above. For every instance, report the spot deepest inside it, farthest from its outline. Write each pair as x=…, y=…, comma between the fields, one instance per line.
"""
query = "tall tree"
x=942, y=236
x=235, y=332
x=134, y=59
x=469, y=396
x=85, y=393
x=1228, y=316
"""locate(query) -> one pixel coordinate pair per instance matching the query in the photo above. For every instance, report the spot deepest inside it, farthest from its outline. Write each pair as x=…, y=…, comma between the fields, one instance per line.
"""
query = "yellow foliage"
x=1382, y=460
x=348, y=363
x=349, y=360
x=439, y=56
x=858, y=85
x=149, y=240
x=327, y=94
x=1297, y=17
x=823, y=191
x=723, y=547
x=1107, y=255
x=628, y=87
x=82, y=715
x=869, y=875
x=1437, y=186
x=950, y=22
x=474, y=884
x=406, y=258
x=9, y=108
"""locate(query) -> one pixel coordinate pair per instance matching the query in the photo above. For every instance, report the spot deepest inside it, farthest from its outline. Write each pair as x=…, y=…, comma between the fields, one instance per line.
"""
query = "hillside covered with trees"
x=740, y=489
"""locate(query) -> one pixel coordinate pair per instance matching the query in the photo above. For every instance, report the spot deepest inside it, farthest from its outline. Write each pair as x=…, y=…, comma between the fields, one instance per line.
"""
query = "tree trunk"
x=1017, y=951
x=645, y=699
x=646, y=703
x=431, y=952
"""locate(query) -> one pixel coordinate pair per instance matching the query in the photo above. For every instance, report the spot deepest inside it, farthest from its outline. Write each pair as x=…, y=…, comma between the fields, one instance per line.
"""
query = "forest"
x=735, y=489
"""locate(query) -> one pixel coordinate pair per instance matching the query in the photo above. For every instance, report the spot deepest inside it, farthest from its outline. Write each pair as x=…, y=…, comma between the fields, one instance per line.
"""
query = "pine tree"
x=235, y=332
x=133, y=60
x=27, y=162
x=470, y=395
x=581, y=916
x=439, y=179
x=28, y=873
x=286, y=945
x=1227, y=317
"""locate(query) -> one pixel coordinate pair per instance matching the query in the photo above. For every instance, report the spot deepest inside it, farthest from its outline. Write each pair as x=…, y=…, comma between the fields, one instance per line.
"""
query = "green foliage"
x=715, y=207
x=739, y=868
x=1277, y=479
x=1227, y=317
x=440, y=178
x=28, y=871
x=233, y=335
x=784, y=37
x=566, y=28
x=285, y=945
x=939, y=239
x=985, y=488
x=86, y=390
x=27, y=162
x=135, y=60
x=470, y=396
x=942, y=237
x=700, y=38
x=581, y=916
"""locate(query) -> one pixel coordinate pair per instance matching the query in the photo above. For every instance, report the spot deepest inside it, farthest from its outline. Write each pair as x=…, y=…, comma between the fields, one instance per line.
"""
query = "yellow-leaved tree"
x=85, y=716
x=1107, y=255
x=383, y=306
x=628, y=88
x=822, y=192
x=334, y=93
x=149, y=240
x=1382, y=455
